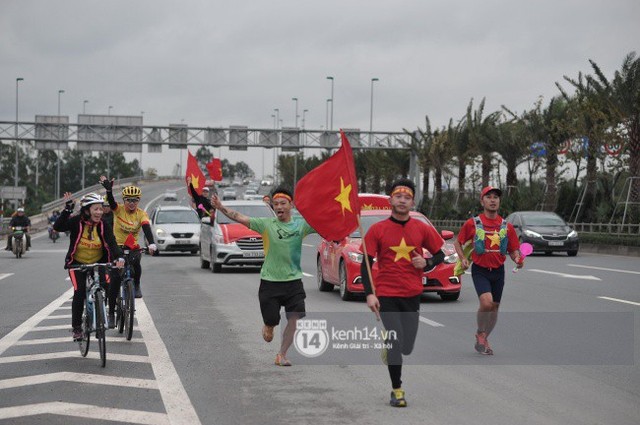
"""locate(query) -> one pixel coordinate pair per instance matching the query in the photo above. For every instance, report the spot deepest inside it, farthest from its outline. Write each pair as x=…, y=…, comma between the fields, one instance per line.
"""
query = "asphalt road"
x=565, y=350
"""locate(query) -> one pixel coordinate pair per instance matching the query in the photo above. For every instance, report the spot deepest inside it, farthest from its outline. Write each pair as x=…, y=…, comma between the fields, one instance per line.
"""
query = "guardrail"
x=606, y=228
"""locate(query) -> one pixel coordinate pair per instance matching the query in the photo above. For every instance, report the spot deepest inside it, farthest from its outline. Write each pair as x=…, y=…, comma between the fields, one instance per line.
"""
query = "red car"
x=339, y=263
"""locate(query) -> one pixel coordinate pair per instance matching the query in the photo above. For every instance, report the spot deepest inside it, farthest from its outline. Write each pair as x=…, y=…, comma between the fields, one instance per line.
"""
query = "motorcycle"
x=53, y=235
x=18, y=247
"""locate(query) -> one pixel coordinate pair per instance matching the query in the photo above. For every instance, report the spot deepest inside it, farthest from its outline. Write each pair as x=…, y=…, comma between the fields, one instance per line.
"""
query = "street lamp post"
x=277, y=111
x=57, y=194
x=84, y=111
x=109, y=110
x=84, y=106
x=332, y=80
x=326, y=124
x=371, y=110
x=295, y=99
x=15, y=179
x=304, y=116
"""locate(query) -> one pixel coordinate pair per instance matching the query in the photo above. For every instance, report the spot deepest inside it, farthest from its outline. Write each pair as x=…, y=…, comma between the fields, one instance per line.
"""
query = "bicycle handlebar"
x=85, y=267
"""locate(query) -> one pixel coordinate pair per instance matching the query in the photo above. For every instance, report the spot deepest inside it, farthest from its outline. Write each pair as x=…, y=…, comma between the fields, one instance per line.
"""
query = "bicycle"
x=94, y=317
x=125, y=302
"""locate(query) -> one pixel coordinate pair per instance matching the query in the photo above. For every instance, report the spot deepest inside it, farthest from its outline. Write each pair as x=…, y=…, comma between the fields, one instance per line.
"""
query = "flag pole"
x=366, y=261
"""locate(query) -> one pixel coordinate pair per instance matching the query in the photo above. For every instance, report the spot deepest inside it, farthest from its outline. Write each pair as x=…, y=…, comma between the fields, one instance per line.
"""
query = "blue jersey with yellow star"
x=394, y=243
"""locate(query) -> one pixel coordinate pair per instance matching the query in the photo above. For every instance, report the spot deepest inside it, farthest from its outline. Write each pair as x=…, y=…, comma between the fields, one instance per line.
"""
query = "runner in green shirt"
x=281, y=275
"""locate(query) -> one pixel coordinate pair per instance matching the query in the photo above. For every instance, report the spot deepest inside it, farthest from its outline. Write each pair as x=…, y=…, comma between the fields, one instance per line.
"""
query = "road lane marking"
x=568, y=276
x=604, y=268
x=85, y=411
x=307, y=274
x=15, y=335
x=619, y=300
x=175, y=398
x=58, y=316
x=3, y=275
x=58, y=340
x=50, y=328
x=81, y=378
x=310, y=246
x=73, y=354
x=431, y=322
x=47, y=251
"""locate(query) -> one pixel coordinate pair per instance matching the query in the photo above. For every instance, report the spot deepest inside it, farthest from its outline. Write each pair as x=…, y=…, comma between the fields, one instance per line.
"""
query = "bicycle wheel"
x=100, y=327
x=86, y=332
x=129, y=308
x=120, y=316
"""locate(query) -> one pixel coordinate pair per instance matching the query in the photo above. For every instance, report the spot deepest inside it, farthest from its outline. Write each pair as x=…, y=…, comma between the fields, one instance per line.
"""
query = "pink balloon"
x=526, y=249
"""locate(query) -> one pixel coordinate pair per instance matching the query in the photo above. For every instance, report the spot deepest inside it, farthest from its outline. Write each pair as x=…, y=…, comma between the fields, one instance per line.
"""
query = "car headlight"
x=161, y=233
x=532, y=234
x=356, y=257
x=573, y=234
x=219, y=239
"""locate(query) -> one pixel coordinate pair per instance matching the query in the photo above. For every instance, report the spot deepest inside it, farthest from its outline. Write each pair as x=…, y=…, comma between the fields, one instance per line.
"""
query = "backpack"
x=479, y=245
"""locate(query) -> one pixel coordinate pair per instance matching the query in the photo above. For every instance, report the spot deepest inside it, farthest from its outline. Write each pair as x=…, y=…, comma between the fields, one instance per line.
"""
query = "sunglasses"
x=132, y=200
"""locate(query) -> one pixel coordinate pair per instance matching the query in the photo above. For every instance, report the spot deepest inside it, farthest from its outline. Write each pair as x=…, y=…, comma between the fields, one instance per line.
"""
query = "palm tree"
x=420, y=141
x=482, y=135
x=622, y=95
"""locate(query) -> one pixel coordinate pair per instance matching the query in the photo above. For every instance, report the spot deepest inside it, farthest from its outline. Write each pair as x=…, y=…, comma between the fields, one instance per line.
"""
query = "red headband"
x=402, y=189
x=282, y=195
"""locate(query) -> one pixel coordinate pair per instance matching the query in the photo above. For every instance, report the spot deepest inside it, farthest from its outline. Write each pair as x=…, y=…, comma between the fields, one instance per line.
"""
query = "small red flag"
x=130, y=242
x=327, y=196
x=215, y=169
x=196, y=174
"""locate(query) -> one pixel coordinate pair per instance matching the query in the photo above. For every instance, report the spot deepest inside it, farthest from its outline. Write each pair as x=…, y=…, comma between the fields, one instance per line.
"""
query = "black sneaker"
x=111, y=321
x=138, y=292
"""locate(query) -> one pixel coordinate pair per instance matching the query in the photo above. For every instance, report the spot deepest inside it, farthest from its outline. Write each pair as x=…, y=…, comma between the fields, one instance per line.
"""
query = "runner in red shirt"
x=397, y=244
x=493, y=238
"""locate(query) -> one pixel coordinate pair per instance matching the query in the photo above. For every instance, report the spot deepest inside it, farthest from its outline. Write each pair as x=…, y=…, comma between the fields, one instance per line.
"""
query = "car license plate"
x=182, y=241
x=556, y=243
x=253, y=254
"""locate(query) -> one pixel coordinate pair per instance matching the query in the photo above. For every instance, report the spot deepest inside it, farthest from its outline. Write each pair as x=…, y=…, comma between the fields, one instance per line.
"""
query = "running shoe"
x=397, y=398
x=138, y=291
x=481, y=342
x=267, y=333
x=77, y=334
x=487, y=349
x=111, y=321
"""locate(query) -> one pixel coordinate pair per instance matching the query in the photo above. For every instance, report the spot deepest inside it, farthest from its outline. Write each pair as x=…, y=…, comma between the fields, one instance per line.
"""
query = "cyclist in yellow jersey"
x=90, y=241
x=128, y=219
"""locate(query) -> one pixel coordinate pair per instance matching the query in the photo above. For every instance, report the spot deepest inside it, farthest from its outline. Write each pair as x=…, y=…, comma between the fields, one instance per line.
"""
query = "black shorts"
x=488, y=280
x=274, y=295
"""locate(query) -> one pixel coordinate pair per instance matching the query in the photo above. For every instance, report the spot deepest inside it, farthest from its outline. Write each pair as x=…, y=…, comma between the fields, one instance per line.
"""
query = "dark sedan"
x=546, y=231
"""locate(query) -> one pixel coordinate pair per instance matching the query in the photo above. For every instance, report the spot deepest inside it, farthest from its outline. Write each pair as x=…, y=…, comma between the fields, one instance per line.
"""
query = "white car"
x=176, y=228
x=229, y=193
x=170, y=196
x=225, y=242
x=251, y=194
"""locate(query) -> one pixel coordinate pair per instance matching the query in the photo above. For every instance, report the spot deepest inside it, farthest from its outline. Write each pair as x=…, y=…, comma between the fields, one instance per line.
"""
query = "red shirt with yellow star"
x=489, y=260
x=393, y=243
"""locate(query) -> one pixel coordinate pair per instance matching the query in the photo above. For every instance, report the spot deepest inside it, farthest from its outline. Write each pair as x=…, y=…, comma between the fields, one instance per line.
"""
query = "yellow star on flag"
x=402, y=250
x=495, y=239
x=343, y=197
x=195, y=181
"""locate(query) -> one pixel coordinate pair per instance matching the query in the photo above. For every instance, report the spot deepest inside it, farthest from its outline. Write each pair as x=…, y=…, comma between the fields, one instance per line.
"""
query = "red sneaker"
x=481, y=342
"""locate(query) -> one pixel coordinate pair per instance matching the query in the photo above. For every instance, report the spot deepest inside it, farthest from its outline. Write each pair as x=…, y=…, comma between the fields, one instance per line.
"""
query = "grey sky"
x=215, y=63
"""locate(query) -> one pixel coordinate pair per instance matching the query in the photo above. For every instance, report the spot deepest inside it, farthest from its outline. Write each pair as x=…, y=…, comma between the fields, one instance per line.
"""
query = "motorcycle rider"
x=20, y=219
x=52, y=219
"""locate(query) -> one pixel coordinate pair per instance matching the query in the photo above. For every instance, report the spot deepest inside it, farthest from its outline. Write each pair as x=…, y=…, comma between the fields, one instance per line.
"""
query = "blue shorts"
x=488, y=280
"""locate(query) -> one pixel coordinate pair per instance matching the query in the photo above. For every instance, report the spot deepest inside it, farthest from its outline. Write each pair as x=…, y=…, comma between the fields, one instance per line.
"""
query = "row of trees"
x=591, y=129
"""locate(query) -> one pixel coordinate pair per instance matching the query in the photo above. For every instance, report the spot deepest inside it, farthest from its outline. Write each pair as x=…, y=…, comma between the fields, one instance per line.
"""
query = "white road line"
x=58, y=316
x=74, y=354
x=3, y=275
x=619, y=300
x=82, y=378
x=307, y=274
x=175, y=398
x=15, y=335
x=568, y=276
x=85, y=411
x=50, y=328
x=47, y=251
x=431, y=322
x=310, y=246
x=64, y=307
x=603, y=268
x=58, y=340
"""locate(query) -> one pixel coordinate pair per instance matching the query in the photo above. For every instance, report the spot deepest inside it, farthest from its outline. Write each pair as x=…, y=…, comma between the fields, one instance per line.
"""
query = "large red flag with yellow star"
x=327, y=197
x=196, y=174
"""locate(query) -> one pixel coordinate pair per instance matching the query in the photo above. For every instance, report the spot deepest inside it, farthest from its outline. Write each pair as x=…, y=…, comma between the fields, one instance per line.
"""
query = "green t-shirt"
x=282, y=247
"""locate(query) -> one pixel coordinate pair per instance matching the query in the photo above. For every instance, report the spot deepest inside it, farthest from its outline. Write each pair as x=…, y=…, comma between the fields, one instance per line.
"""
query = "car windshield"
x=368, y=220
x=177, y=216
x=542, y=220
x=248, y=210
